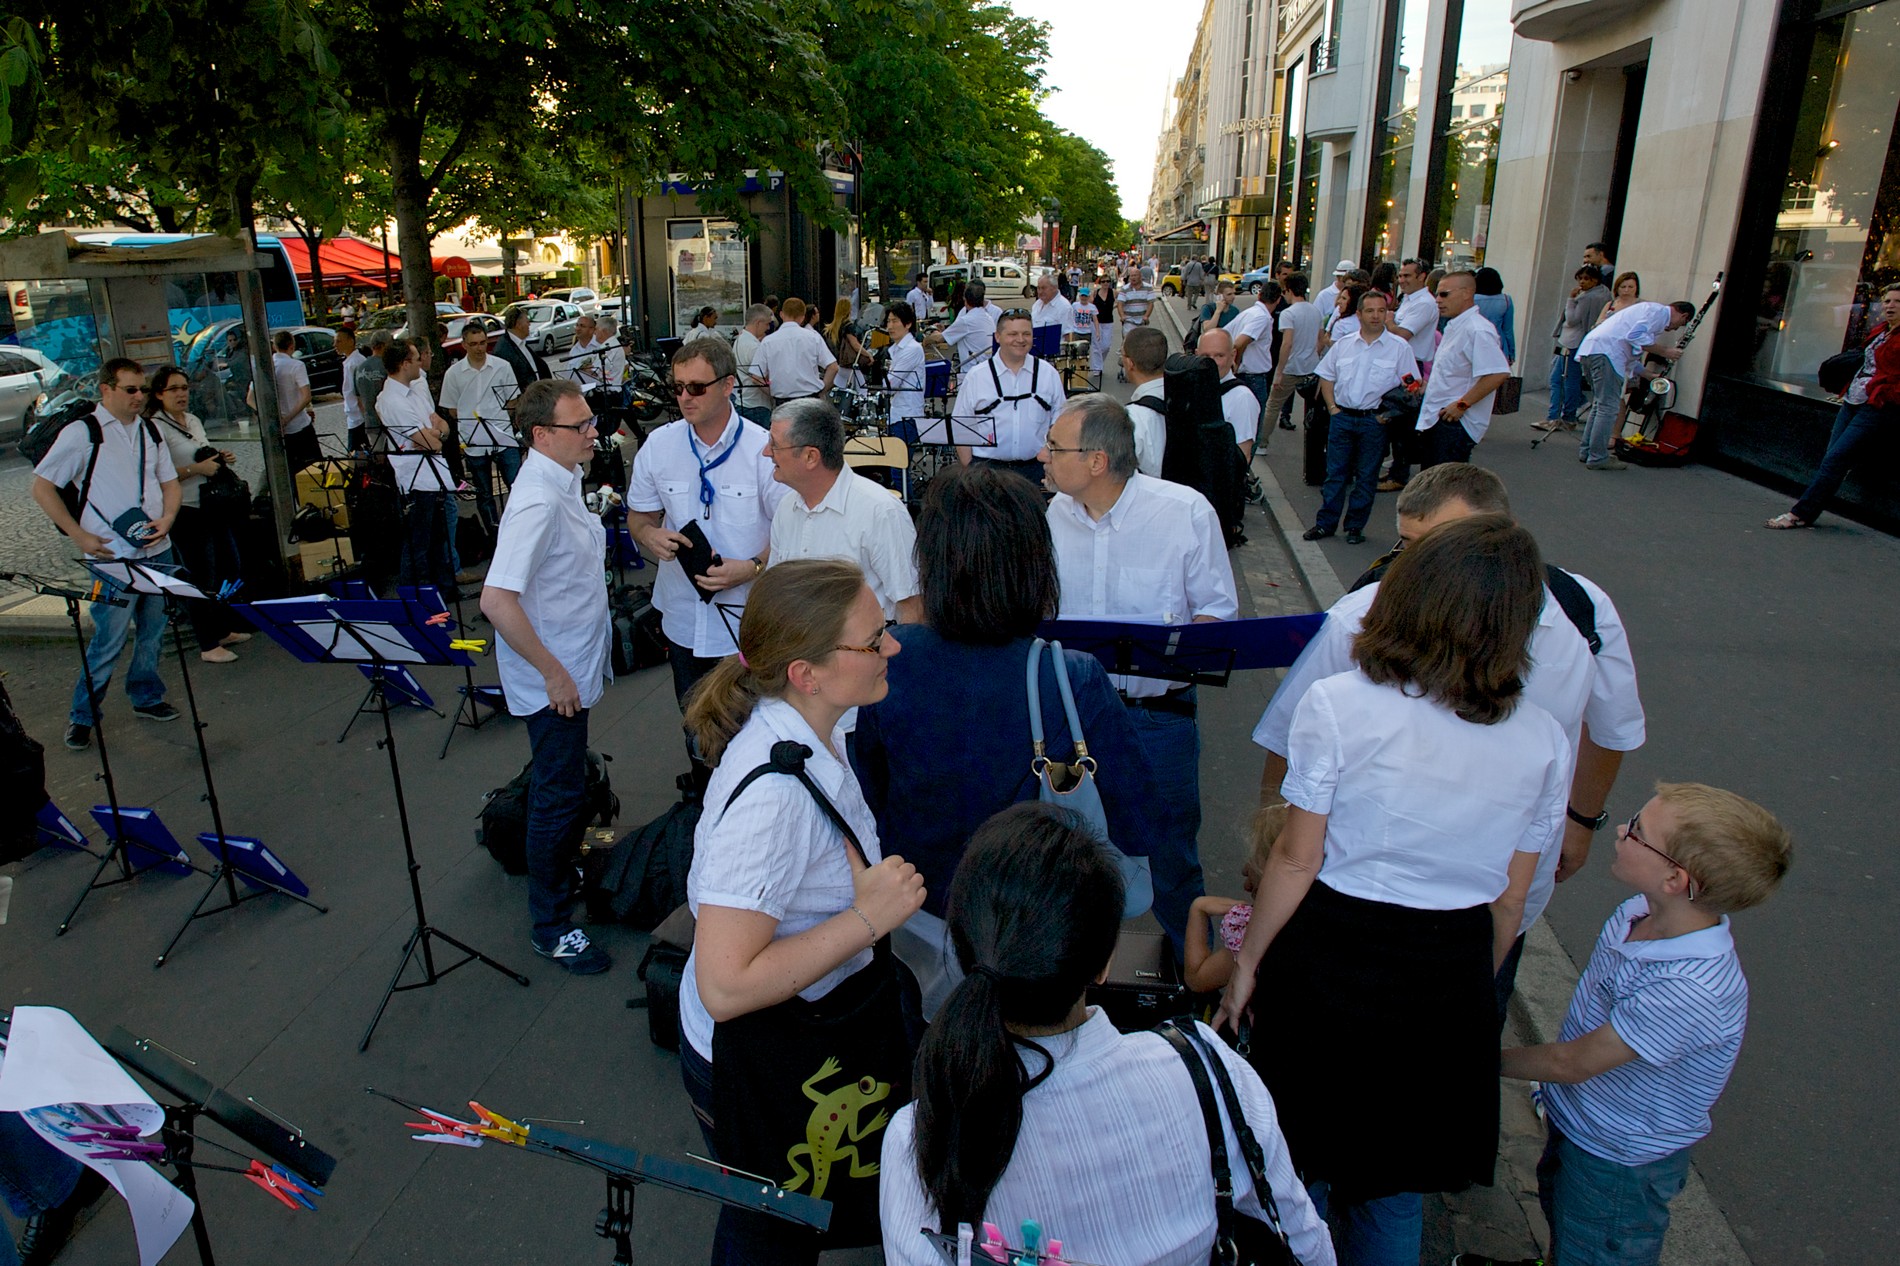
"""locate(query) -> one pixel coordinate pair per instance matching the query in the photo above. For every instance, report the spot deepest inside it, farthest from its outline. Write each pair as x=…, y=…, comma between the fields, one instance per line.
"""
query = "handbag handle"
x=1034, y=676
x=1225, y=1248
x=1250, y=1149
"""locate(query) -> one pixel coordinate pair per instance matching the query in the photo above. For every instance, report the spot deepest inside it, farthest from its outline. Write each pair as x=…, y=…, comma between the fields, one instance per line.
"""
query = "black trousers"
x=1448, y=441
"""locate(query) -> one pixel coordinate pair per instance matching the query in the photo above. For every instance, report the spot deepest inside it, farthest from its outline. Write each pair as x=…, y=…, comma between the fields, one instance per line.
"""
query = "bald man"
x=1467, y=370
x=1239, y=405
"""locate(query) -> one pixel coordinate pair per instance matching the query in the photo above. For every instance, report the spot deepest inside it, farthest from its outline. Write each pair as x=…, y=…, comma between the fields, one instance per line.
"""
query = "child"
x=1654, y=1027
x=1208, y=968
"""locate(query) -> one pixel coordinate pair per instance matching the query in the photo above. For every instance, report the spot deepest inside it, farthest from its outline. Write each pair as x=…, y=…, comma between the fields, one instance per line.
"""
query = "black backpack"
x=504, y=817
x=22, y=784
x=1200, y=451
x=645, y=877
x=1564, y=587
x=636, y=641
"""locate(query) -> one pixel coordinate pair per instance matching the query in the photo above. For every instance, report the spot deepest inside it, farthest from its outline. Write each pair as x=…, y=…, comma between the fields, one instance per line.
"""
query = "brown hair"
x=1454, y=618
x=538, y=402
x=1268, y=823
x=1432, y=487
x=1735, y=850
x=792, y=311
x=1623, y=277
x=796, y=611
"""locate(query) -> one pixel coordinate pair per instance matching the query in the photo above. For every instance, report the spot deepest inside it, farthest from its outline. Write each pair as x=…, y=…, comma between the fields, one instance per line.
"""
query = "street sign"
x=456, y=266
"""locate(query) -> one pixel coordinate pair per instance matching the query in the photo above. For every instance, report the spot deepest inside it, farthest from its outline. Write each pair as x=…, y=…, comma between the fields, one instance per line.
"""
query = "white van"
x=1000, y=277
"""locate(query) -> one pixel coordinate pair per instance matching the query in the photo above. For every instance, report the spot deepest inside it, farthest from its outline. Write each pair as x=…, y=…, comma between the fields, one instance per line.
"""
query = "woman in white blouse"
x=205, y=545
x=1031, y=1106
x=784, y=906
x=1422, y=789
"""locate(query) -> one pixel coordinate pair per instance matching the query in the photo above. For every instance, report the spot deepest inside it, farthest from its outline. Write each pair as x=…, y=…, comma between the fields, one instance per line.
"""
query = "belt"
x=809, y=395
x=1171, y=703
x=1365, y=413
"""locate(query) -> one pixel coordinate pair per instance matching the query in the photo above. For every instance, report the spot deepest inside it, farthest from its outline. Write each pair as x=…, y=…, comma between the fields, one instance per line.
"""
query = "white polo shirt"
x=905, y=378
x=856, y=520
x=1058, y=311
x=480, y=393
x=548, y=549
x=972, y=334
x=919, y=300
x=1020, y=403
x=1418, y=312
x=1157, y=557
x=131, y=471
x=666, y=477
x=1362, y=372
x=1625, y=335
x=1241, y=408
x=793, y=360
x=290, y=377
x=1256, y=323
x=1467, y=351
x=1151, y=425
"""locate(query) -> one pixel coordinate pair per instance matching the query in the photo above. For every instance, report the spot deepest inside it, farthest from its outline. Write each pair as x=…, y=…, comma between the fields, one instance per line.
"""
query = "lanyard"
x=705, y=484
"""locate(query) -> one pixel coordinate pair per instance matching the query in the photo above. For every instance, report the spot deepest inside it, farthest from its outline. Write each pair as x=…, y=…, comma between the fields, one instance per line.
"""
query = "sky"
x=1111, y=66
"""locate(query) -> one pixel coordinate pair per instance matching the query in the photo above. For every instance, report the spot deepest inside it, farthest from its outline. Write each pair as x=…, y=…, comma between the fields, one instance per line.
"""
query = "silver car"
x=550, y=324
x=25, y=375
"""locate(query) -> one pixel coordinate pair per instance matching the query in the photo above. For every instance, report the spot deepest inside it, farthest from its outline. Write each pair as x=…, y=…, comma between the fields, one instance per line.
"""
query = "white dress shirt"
x=1418, y=312
x=1241, y=408
x=404, y=409
x=480, y=394
x=1328, y=298
x=352, y=405
x=803, y=877
x=905, y=377
x=1625, y=335
x=1468, y=350
x=1112, y=1158
x=1058, y=311
x=1256, y=323
x=1157, y=557
x=793, y=360
x=549, y=549
x=1151, y=425
x=1025, y=402
x=972, y=335
x=1565, y=680
x=290, y=377
x=919, y=300
x=1362, y=372
x=582, y=363
x=856, y=520
x=131, y=471
x=745, y=353
x=1424, y=810
x=738, y=525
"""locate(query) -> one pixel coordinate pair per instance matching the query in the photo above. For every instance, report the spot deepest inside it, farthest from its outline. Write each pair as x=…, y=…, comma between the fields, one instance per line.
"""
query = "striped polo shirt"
x=1681, y=1004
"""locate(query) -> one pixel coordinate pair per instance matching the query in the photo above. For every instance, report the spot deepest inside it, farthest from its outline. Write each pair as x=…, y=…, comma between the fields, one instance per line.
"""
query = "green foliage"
x=1081, y=178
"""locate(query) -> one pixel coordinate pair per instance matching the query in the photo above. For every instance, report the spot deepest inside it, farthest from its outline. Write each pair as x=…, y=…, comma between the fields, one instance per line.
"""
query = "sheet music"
x=485, y=437
x=976, y=431
x=144, y=578
x=421, y=472
x=366, y=643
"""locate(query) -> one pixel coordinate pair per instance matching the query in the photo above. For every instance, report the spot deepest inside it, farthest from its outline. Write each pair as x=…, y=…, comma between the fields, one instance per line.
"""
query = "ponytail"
x=1033, y=914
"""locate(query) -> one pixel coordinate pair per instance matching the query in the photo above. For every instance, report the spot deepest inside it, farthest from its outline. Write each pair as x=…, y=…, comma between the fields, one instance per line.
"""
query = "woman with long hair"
x=206, y=544
x=791, y=902
x=705, y=324
x=1031, y=1105
x=845, y=339
x=1627, y=290
x=1422, y=788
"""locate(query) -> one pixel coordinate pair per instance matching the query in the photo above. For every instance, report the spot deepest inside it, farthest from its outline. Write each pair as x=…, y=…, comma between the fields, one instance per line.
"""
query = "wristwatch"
x=758, y=563
x=1595, y=824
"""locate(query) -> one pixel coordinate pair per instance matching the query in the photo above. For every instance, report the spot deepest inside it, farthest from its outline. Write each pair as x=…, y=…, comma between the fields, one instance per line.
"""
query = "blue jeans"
x=556, y=792
x=1262, y=386
x=1602, y=1213
x=1854, y=428
x=110, y=626
x=1389, y=1231
x=1606, y=397
x=1173, y=747
x=1354, y=446
x=740, y=1239
x=425, y=555
x=1566, y=387
x=34, y=1176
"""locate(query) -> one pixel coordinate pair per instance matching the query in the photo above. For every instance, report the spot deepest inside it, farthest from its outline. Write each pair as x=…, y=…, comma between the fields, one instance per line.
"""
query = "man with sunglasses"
x=128, y=497
x=1014, y=392
x=709, y=467
x=1468, y=367
x=547, y=598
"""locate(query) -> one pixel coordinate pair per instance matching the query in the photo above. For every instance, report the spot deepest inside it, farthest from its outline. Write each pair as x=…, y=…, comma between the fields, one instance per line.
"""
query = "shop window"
x=1481, y=52
x=706, y=264
x=1399, y=132
x=1837, y=235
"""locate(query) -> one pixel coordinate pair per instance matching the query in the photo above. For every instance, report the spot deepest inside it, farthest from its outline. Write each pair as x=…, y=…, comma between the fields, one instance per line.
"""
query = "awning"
x=345, y=260
x=1192, y=231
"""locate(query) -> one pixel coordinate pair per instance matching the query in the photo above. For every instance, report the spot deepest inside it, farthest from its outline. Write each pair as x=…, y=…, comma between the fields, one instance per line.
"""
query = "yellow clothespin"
x=478, y=645
x=498, y=1127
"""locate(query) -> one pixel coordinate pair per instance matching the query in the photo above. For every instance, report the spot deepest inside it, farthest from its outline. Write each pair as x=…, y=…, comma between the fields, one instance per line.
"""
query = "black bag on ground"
x=1143, y=988
x=662, y=970
x=504, y=817
x=645, y=877
x=22, y=784
x=1200, y=451
x=637, y=641
x=1319, y=428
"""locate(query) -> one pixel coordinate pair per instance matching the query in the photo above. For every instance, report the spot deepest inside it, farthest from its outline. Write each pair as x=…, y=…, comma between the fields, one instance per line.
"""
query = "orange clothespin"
x=498, y=1127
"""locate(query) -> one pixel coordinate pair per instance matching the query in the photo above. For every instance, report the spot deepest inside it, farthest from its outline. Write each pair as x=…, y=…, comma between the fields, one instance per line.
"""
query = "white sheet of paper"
x=421, y=472
x=363, y=643
x=129, y=575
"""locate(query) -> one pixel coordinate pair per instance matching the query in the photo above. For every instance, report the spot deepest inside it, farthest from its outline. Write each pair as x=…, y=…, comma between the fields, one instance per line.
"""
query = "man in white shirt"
x=1467, y=369
x=905, y=375
x=1130, y=547
x=1416, y=320
x=416, y=434
x=1144, y=364
x=973, y=332
x=834, y=512
x=298, y=420
x=1237, y=402
x=755, y=402
x=1610, y=353
x=1327, y=299
x=581, y=365
x=794, y=360
x=354, y=430
x=128, y=470
x=708, y=467
x=613, y=353
x=546, y=595
x=1014, y=392
x=1050, y=308
x=1252, y=332
x=476, y=393
x=1354, y=376
x=919, y=296
x=1297, y=354
x=1593, y=696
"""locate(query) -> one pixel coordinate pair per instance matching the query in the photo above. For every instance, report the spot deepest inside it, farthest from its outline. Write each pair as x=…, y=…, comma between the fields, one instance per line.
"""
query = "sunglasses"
x=695, y=389
x=1630, y=830
x=876, y=645
x=130, y=391
x=1013, y=312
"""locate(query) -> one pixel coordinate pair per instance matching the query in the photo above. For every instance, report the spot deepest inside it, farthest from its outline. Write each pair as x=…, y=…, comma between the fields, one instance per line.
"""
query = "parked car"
x=1001, y=278
x=26, y=375
x=550, y=324
x=1254, y=282
x=396, y=318
x=1171, y=281
x=582, y=297
x=452, y=345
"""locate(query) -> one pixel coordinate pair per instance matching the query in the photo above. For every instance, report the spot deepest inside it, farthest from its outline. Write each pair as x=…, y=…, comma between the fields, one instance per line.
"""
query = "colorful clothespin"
x=445, y=1129
x=475, y=644
x=498, y=1127
x=290, y=1192
x=992, y=1248
x=440, y=617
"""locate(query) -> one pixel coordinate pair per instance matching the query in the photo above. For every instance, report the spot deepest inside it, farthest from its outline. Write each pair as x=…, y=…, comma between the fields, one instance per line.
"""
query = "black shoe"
x=1316, y=534
x=78, y=737
x=160, y=711
x=575, y=952
x=1355, y=538
x=1286, y=424
x=46, y=1233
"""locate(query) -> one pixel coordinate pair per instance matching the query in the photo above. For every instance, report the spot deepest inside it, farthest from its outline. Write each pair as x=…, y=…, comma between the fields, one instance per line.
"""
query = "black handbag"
x=1836, y=373
x=802, y=1090
x=1240, y=1239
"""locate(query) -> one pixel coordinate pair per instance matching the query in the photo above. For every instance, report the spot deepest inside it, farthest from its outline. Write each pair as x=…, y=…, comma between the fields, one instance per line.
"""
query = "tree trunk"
x=412, y=237
x=312, y=244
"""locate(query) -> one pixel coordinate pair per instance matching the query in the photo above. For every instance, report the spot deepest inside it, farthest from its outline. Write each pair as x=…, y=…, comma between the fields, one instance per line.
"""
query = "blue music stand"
x=1045, y=341
x=383, y=635
x=54, y=827
x=400, y=686
x=148, y=844
x=1197, y=654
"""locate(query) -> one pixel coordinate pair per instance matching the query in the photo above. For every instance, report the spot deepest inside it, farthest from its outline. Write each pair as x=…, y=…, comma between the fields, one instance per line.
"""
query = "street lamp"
x=1051, y=228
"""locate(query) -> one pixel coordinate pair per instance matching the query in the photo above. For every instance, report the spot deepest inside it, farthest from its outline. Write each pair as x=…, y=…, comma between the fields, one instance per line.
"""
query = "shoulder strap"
x=1224, y=1246
x=1149, y=402
x=1250, y=1149
x=1575, y=601
x=1230, y=384
x=789, y=757
x=97, y=436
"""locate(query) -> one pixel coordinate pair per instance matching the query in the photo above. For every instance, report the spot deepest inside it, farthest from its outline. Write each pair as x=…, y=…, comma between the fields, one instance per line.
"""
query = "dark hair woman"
x=1498, y=309
x=789, y=913
x=1031, y=1105
x=1422, y=789
x=206, y=544
x=950, y=745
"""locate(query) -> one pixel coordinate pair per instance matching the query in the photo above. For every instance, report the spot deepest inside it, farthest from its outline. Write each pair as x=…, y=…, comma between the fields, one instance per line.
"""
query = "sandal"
x=1788, y=520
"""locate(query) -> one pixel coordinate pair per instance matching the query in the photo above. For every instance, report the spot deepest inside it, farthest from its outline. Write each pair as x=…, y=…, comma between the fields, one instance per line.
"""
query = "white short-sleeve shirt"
x=972, y=334
x=182, y=441
x=479, y=393
x=906, y=379
x=1467, y=351
x=745, y=353
x=1362, y=372
x=404, y=409
x=773, y=850
x=352, y=403
x=793, y=360
x=548, y=549
x=1256, y=323
x=1423, y=809
x=131, y=471
x=856, y=520
x=1058, y=311
x=1151, y=425
x=1241, y=408
x=1418, y=312
x=290, y=377
x=1020, y=403
x=920, y=301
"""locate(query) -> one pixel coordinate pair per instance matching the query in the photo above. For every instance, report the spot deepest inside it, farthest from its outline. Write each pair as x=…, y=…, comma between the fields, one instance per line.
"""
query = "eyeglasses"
x=873, y=647
x=589, y=425
x=1630, y=830
x=695, y=389
x=1444, y=294
x=1053, y=449
x=776, y=447
x=130, y=391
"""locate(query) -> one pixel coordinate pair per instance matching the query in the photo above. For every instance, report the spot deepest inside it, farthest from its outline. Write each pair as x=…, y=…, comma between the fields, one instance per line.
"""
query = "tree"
x=1082, y=178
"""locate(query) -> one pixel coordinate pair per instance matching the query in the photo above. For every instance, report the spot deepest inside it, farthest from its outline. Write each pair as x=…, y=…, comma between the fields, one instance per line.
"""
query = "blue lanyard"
x=705, y=484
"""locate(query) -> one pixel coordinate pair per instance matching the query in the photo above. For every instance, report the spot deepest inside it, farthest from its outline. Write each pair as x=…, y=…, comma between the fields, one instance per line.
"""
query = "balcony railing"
x=1322, y=55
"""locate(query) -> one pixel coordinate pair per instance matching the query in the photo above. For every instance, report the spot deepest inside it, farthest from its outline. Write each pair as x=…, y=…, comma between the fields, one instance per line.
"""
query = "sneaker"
x=575, y=952
x=78, y=737
x=47, y=1232
x=160, y=711
x=218, y=655
x=1391, y=485
x=1316, y=534
x=1355, y=538
x=1608, y=463
x=1548, y=424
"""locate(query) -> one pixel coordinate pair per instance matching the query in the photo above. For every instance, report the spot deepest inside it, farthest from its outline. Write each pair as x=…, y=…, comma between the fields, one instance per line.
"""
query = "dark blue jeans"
x=425, y=545
x=1173, y=747
x=1566, y=387
x=1854, y=428
x=741, y=1239
x=1354, y=446
x=1602, y=1213
x=110, y=627
x=1388, y=1231
x=34, y=1176
x=556, y=792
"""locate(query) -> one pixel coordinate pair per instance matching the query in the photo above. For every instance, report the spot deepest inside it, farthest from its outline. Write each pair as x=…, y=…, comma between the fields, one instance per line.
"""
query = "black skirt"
x=1375, y=1027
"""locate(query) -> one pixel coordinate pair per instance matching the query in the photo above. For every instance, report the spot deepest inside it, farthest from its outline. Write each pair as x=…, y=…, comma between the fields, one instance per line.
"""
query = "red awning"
x=345, y=259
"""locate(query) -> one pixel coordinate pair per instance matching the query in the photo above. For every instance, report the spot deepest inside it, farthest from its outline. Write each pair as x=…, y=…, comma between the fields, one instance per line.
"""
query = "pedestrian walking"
x=1193, y=281
x=1297, y=356
x=1612, y=352
x=1104, y=324
x=1870, y=407
x=1580, y=310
